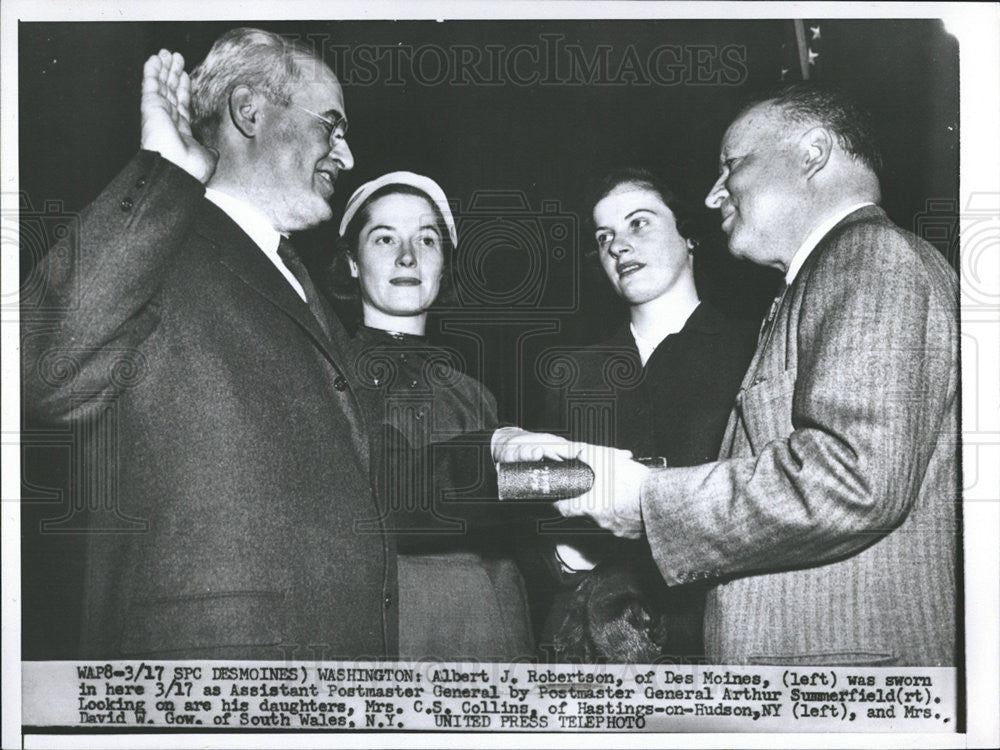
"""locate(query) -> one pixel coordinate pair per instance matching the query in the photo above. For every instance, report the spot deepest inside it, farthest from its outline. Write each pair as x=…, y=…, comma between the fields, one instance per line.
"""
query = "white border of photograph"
x=977, y=28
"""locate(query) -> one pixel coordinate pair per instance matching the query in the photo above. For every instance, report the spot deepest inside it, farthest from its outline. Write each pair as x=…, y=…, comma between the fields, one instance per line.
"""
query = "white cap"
x=424, y=184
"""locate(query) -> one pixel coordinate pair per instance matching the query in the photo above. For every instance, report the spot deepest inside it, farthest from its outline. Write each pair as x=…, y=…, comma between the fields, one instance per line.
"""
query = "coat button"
x=141, y=182
x=126, y=204
x=340, y=383
x=387, y=601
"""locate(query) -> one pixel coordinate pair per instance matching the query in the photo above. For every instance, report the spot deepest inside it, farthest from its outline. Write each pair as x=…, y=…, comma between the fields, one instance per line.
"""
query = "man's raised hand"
x=166, y=119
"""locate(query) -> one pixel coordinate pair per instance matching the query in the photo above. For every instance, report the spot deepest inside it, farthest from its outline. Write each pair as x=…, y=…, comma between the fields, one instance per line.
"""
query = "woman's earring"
x=691, y=245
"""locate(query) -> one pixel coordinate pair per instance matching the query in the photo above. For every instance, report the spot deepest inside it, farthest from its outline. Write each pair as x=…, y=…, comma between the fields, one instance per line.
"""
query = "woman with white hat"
x=460, y=594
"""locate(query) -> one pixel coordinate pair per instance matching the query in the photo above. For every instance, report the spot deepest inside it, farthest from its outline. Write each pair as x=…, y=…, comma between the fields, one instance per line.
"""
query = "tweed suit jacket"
x=224, y=457
x=829, y=521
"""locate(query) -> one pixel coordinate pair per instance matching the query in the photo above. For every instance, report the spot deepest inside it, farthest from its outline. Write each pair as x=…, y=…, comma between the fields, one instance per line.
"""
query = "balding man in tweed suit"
x=828, y=524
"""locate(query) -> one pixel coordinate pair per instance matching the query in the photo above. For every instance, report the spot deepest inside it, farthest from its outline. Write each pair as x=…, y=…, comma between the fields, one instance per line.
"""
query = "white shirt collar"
x=811, y=241
x=258, y=228
x=671, y=317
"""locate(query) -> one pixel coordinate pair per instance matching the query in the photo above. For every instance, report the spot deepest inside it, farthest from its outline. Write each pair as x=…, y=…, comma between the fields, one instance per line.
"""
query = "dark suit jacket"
x=222, y=458
x=676, y=407
x=829, y=524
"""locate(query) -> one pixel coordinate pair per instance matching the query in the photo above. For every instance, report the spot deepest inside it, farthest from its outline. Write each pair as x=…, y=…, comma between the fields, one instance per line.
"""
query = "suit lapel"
x=778, y=328
x=244, y=259
x=241, y=256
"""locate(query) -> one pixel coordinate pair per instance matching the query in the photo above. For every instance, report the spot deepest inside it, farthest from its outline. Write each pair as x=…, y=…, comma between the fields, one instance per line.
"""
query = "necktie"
x=771, y=314
x=292, y=261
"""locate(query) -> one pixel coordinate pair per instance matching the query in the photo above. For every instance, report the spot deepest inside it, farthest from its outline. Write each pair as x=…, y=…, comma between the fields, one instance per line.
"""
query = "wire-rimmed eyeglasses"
x=336, y=129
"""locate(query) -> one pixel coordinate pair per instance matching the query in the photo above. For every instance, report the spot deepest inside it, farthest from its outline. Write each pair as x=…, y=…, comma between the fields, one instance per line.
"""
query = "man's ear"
x=243, y=110
x=817, y=145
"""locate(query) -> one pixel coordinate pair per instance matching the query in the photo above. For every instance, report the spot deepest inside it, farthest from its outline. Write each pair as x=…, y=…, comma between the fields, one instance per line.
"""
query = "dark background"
x=516, y=159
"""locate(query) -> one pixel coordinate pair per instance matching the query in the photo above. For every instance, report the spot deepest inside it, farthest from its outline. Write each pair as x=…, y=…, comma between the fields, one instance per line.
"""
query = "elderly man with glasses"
x=211, y=381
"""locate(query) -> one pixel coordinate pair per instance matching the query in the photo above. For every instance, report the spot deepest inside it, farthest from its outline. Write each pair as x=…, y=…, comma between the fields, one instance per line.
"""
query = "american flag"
x=802, y=51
